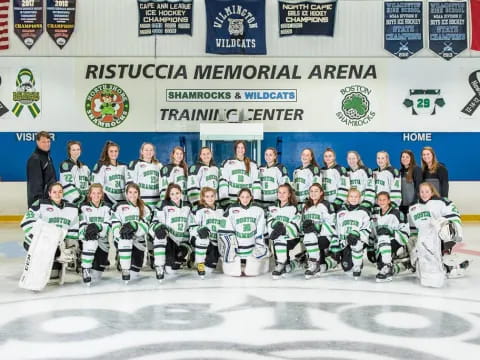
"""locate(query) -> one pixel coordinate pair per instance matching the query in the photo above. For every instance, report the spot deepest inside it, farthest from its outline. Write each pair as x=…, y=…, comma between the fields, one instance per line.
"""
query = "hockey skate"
x=159, y=273
x=86, y=276
x=385, y=274
x=301, y=259
x=201, y=270
x=126, y=276
x=356, y=272
x=279, y=272
x=314, y=269
x=456, y=270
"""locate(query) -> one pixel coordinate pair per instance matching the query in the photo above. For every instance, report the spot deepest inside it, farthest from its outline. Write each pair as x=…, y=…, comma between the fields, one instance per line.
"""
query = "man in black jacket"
x=40, y=170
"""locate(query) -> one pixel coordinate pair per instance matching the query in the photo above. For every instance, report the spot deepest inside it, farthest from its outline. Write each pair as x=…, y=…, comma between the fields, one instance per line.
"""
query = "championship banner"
x=474, y=103
x=403, y=28
x=60, y=20
x=165, y=17
x=28, y=20
x=475, y=21
x=447, y=28
x=306, y=17
x=4, y=25
x=236, y=27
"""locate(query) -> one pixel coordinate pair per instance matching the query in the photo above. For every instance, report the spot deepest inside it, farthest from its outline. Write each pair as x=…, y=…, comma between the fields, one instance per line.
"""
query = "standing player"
x=335, y=179
x=175, y=172
x=306, y=175
x=74, y=175
x=203, y=174
x=272, y=175
x=361, y=178
x=387, y=178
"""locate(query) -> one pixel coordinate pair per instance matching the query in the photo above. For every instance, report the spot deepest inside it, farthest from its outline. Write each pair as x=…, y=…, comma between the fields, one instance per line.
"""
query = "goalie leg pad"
x=227, y=246
x=455, y=266
x=255, y=266
x=429, y=267
x=232, y=268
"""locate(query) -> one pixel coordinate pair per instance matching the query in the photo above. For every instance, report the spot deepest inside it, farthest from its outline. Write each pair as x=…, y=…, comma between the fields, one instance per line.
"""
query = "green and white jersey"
x=101, y=216
x=173, y=174
x=389, y=180
x=234, y=177
x=177, y=218
x=288, y=215
x=323, y=217
x=147, y=176
x=124, y=212
x=303, y=178
x=394, y=220
x=75, y=178
x=353, y=219
x=270, y=179
x=248, y=222
x=211, y=218
x=63, y=216
x=362, y=179
x=424, y=102
x=113, y=179
x=200, y=176
x=335, y=183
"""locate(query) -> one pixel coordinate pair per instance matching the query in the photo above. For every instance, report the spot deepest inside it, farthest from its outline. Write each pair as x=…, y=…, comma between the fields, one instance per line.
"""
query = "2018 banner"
x=447, y=28
x=315, y=17
x=165, y=17
x=61, y=20
x=403, y=28
x=236, y=27
x=28, y=20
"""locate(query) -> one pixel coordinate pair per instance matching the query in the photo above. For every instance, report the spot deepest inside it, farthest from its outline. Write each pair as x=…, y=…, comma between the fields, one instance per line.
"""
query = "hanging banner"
x=306, y=17
x=28, y=20
x=475, y=21
x=447, y=28
x=165, y=17
x=236, y=27
x=60, y=20
x=403, y=28
x=4, y=25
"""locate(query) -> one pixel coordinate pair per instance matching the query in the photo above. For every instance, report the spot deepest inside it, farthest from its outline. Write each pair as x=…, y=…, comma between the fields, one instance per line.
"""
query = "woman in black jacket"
x=434, y=172
x=412, y=176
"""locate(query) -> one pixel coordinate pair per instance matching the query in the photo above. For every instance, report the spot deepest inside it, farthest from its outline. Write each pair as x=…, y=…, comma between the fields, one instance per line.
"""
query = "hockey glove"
x=127, y=231
x=371, y=255
x=352, y=239
x=203, y=233
x=384, y=231
x=278, y=230
x=447, y=247
x=336, y=253
x=308, y=226
x=323, y=242
x=91, y=232
x=161, y=232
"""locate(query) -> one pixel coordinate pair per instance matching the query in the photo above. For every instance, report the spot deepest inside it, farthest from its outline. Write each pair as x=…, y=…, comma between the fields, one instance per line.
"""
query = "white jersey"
x=270, y=179
x=75, y=179
x=211, y=218
x=362, y=180
x=288, y=215
x=124, y=212
x=335, y=183
x=173, y=174
x=234, y=177
x=323, y=217
x=200, y=176
x=147, y=177
x=113, y=179
x=303, y=178
x=90, y=214
x=389, y=180
x=353, y=219
x=394, y=220
x=177, y=219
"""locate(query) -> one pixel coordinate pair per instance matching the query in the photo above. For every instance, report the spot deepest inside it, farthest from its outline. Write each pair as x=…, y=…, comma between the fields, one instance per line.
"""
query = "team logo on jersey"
x=474, y=102
x=107, y=105
x=26, y=94
x=424, y=101
x=356, y=107
x=125, y=208
x=49, y=209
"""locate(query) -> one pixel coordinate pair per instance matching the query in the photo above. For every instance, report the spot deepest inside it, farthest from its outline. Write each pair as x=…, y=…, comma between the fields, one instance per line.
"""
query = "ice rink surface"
x=329, y=317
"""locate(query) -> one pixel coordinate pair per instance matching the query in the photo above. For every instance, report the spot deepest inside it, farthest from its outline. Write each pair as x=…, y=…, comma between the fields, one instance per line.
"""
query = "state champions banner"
x=236, y=27
x=61, y=20
x=403, y=27
x=475, y=21
x=165, y=17
x=447, y=28
x=307, y=17
x=28, y=20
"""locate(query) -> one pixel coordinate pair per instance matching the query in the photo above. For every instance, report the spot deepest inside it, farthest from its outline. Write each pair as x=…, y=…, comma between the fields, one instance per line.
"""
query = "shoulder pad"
x=97, y=167
x=342, y=170
x=36, y=205
x=282, y=169
x=69, y=205
x=315, y=170
x=66, y=165
x=120, y=203
x=132, y=164
x=193, y=170
x=167, y=169
x=226, y=161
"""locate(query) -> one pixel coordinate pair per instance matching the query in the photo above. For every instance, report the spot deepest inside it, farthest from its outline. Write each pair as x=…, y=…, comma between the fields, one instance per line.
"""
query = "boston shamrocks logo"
x=355, y=106
x=107, y=105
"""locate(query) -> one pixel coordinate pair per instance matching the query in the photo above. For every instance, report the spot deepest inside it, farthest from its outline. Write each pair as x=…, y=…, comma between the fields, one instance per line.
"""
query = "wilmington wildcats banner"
x=236, y=27
x=475, y=16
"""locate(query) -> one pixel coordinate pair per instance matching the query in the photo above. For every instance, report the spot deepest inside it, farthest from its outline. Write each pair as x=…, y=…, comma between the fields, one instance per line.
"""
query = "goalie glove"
x=92, y=231
x=161, y=232
x=203, y=233
x=308, y=226
x=447, y=232
x=353, y=238
x=128, y=231
x=278, y=230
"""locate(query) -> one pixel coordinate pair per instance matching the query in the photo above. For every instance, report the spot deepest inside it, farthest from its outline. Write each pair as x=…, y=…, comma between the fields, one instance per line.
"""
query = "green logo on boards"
x=26, y=94
x=107, y=105
x=424, y=102
x=356, y=107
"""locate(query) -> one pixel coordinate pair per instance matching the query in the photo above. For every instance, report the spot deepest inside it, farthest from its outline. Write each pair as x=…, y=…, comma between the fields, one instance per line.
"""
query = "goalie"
x=51, y=239
x=436, y=226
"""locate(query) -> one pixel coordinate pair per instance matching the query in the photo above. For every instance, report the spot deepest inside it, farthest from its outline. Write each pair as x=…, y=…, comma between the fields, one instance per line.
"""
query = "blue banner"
x=447, y=28
x=306, y=17
x=61, y=20
x=165, y=17
x=403, y=28
x=236, y=27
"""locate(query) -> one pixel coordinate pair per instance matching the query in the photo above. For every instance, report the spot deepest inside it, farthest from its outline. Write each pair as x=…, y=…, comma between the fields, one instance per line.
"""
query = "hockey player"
x=172, y=220
x=145, y=172
x=391, y=232
x=434, y=172
x=242, y=246
x=335, y=180
x=74, y=175
x=283, y=227
x=203, y=174
x=203, y=233
x=387, y=178
x=95, y=224
x=62, y=214
x=436, y=228
x=130, y=223
x=353, y=229
x=361, y=178
x=110, y=173
x=272, y=175
x=318, y=226
x=411, y=176
x=176, y=172
x=306, y=175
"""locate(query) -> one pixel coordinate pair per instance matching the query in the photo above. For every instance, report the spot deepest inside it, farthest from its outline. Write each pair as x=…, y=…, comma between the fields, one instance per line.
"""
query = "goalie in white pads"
x=242, y=246
x=436, y=227
x=63, y=215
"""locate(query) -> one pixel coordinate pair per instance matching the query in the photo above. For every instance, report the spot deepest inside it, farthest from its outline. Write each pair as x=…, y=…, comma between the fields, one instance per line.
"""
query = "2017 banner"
x=61, y=20
x=403, y=27
x=315, y=17
x=475, y=21
x=447, y=28
x=165, y=17
x=236, y=27
x=28, y=20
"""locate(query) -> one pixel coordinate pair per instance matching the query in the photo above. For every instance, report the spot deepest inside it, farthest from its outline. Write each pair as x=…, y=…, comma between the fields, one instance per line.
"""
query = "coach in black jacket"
x=40, y=170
